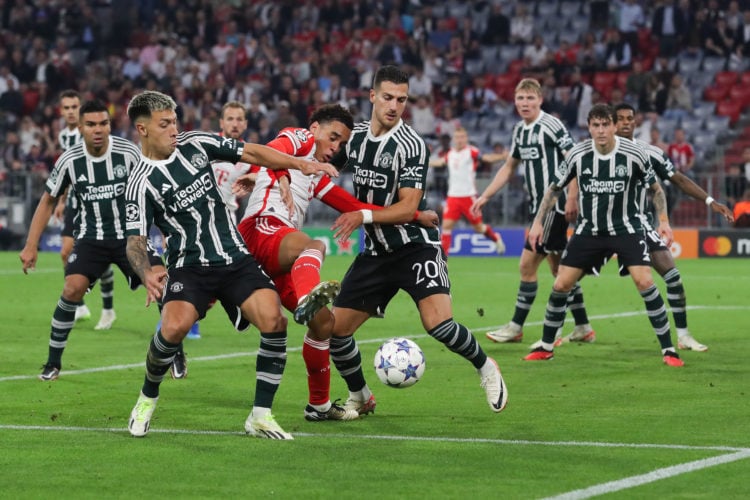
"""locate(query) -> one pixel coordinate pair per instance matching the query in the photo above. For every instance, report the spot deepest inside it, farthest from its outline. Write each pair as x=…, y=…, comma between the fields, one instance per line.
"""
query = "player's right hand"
x=476, y=207
x=535, y=235
x=28, y=258
x=154, y=283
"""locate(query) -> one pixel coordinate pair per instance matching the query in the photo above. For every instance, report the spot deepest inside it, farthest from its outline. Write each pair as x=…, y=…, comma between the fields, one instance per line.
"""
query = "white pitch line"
x=363, y=341
x=650, y=477
x=386, y=437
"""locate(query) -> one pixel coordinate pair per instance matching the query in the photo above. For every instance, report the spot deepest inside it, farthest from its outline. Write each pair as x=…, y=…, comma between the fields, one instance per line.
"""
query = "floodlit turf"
x=602, y=417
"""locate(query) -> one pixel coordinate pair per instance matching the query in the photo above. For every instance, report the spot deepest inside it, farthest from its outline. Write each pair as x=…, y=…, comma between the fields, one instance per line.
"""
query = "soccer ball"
x=399, y=363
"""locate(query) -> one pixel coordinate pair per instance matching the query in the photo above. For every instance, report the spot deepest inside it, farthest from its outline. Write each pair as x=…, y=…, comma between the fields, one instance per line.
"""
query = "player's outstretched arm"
x=270, y=158
x=659, y=199
x=137, y=252
x=39, y=221
x=399, y=213
x=692, y=189
x=498, y=182
x=537, y=227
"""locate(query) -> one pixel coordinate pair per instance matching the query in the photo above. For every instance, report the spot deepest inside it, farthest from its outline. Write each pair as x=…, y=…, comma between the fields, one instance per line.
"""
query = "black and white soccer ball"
x=399, y=363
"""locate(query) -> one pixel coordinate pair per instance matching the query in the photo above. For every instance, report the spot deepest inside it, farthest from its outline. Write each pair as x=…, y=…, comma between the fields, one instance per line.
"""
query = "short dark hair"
x=95, y=106
x=602, y=112
x=624, y=105
x=70, y=93
x=333, y=113
x=390, y=73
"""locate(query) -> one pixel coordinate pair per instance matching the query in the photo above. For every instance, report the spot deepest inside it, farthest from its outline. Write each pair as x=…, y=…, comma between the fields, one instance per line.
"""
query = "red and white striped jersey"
x=226, y=173
x=265, y=200
x=462, y=167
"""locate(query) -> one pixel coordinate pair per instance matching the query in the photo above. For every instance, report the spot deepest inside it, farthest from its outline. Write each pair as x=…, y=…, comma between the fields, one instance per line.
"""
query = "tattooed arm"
x=659, y=199
x=137, y=252
x=537, y=227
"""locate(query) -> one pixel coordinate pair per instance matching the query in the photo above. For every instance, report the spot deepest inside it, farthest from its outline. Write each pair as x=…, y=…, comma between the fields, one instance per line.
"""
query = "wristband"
x=416, y=216
x=709, y=200
x=366, y=216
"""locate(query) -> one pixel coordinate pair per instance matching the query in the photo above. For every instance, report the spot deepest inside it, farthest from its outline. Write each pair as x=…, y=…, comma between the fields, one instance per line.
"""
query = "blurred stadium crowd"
x=682, y=63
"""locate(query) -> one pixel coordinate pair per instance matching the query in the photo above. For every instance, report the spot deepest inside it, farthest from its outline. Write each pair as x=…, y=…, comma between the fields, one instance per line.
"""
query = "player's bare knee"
x=316, y=245
x=269, y=322
x=174, y=330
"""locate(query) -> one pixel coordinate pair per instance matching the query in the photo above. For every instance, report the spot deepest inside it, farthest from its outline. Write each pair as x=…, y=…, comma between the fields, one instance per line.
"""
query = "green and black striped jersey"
x=98, y=185
x=381, y=166
x=608, y=186
x=179, y=196
x=68, y=138
x=664, y=170
x=540, y=146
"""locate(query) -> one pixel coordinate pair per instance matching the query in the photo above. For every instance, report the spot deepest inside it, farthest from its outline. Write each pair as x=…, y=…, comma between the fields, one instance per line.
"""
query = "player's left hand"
x=665, y=231
x=535, y=235
x=244, y=184
x=154, y=283
x=314, y=167
x=428, y=218
x=345, y=225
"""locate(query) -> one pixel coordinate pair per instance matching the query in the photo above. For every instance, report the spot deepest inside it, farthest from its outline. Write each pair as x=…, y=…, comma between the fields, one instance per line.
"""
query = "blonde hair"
x=529, y=85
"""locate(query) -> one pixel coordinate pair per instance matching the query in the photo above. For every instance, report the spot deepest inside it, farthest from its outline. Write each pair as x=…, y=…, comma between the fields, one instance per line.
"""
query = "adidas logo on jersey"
x=587, y=171
x=82, y=178
x=165, y=188
x=431, y=284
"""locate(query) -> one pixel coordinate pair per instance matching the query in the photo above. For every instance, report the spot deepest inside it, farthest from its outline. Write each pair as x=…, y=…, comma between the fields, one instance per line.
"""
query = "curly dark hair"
x=333, y=113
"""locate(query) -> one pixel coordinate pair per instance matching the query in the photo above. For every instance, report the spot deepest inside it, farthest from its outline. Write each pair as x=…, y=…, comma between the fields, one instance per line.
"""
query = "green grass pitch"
x=604, y=418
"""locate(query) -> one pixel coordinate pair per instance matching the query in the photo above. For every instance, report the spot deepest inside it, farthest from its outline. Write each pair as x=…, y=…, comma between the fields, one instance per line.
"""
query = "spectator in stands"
x=479, y=100
x=746, y=163
x=590, y=54
x=419, y=82
x=642, y=126
x=423, y=118
x=683, y=157
x=742, y=211
x=630, y=19
x=566, y=108
x=679, y=100
x=598, y=14
x=681, y=153
x=720, y=39
x=653, y=98
x=742, y=35
x=636, y=81
x=447, y=123
x=497, y=31
x=452, y=91
x=656, y=140
x=696, y=32
x=535, y=55
x=735, y=184
x=733, y=15
x=618, y=52
x=454, y=57
x=521, y=26
x=667, y=24
x=582, y=93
